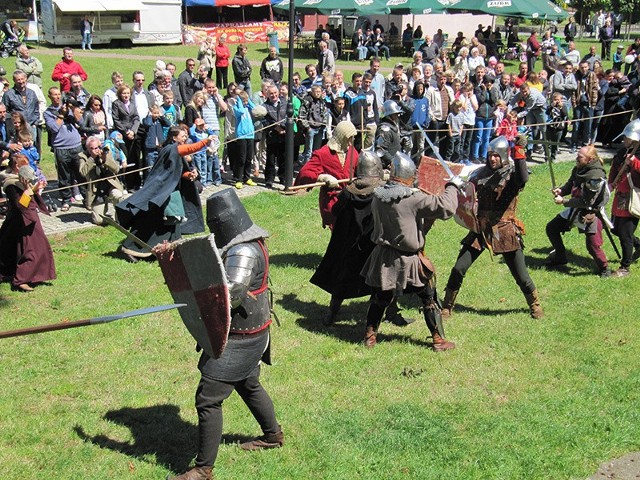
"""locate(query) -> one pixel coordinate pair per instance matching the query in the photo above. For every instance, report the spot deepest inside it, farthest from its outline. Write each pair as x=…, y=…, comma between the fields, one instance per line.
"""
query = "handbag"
x=634, y=198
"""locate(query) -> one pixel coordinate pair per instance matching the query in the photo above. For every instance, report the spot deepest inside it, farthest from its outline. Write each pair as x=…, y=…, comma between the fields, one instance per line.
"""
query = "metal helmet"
x=500, y=145
x=390, y=107
x=632, y=130
x=229, y=221
x=369, y=165
x=402, y=167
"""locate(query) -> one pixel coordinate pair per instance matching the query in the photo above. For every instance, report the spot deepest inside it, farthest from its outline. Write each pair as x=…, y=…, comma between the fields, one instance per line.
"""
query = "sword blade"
x=436, y=152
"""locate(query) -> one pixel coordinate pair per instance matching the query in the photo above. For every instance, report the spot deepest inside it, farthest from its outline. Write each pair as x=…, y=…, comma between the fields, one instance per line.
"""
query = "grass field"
x=517, y=398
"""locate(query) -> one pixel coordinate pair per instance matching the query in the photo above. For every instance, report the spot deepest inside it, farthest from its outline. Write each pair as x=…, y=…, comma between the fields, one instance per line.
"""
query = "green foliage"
x=517, y=398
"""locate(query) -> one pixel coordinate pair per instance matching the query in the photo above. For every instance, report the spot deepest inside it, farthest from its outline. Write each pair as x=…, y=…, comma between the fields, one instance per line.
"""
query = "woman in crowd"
x=194, y=109
x=127, y=121
x=207, y=55
x=25, y=253
x=158, y=210
x=94, y=120
x=222, y=62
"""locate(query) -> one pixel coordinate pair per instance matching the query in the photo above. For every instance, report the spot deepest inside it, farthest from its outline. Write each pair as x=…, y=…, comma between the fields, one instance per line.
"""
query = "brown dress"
x=25, y=252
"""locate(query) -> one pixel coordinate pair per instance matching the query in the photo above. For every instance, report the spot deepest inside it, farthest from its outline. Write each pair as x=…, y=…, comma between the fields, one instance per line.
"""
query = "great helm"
x=229, y=221
x=632, y=130
x=403, y=169
x=390, y=108
x=369, y=165
x=500, y=145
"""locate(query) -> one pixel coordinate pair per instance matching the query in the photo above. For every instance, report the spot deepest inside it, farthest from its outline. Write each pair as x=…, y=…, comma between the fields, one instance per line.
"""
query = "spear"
x=90, y=321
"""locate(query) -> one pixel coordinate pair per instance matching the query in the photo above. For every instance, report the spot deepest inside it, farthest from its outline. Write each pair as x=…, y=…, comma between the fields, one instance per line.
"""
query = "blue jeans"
x=481, y=138
x=200, y=162
x=311, y=143
x=362, y=52
x=86, y=39
x=581, y=128
x=213, y=170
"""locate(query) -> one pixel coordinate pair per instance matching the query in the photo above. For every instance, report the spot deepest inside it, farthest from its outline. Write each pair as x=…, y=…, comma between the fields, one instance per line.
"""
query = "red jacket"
x=222, y=56
x=71, y=68
x=322, y=161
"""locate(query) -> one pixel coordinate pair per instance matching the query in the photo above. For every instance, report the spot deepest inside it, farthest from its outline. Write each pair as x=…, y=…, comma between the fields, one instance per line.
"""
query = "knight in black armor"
x=497, y=185
x=246, y=263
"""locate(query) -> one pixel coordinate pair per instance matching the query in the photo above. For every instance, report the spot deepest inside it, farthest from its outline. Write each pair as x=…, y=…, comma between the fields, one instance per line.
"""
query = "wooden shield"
x=194, y=272
x=467, y=208
x=432, y=176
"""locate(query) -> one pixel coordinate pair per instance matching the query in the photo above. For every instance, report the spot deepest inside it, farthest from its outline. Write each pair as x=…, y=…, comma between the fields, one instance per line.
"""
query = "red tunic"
x=620, y=207
x=324, y=160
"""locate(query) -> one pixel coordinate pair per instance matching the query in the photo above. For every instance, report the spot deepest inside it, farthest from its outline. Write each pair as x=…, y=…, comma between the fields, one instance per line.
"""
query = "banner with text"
x=235, y=32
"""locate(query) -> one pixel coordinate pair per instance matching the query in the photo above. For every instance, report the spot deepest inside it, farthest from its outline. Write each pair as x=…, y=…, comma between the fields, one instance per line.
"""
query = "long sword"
x=120, y=228
x=436, y=152
x=90, y=321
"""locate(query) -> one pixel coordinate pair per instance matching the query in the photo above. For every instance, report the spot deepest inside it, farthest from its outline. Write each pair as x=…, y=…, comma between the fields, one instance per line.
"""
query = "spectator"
x=502, y=89
x=429, y=49
x=461, y=67
x=86, y=32
x=207, y=55
x=64, y=69
x=438, y=38
x=313, y=119
x=31, y=66
x=275, y=135
x=484, y=120
x=272, y=67
x=94, y=119
x=77, y=92
x=242, y=146
x=564, y=82
x=186, y=81
x=127, y=121
x=331, y=43
x=242, y=69
x=326, y=60
x=358, y=43
x=591, y=58
x=312, y=78
x=24, y=100
x=439, y=100
x=533, y=51
x=407, y=39
x=606, y=38
x=584, y=102
x=570, y=30
x=222, y=62
x=523, y=73
x=154, y=125
x=378, y=44
x=378, y=82
x=117, y=79
x=533, y=106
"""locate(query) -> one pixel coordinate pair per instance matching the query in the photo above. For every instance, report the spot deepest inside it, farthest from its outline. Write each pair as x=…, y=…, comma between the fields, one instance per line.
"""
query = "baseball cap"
x=116, y=137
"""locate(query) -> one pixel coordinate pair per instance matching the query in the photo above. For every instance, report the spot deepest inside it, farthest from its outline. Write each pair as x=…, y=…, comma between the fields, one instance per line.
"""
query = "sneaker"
x=239, y=185
x=621, y=272
x=251, y=183
x=606, y=273
x=270, y=440
x=78, y=197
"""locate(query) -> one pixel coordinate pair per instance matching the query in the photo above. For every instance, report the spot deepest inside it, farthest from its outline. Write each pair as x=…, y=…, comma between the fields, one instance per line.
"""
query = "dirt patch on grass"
x=623, y=468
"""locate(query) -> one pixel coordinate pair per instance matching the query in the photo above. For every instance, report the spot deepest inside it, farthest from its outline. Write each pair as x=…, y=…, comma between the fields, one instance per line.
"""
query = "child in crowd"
x=169, y=111
x=469, y=106
x=508, y=126
x=30, y=151
x=203, y=159
x=154, y=124
x=455, y=122
x=498, y=115
x=557, y=117
x=115, y=144
x=618, y=58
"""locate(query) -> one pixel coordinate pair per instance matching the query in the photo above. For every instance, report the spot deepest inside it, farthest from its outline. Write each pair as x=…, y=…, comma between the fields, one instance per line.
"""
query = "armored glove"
x=457, y=182
x=329, y=180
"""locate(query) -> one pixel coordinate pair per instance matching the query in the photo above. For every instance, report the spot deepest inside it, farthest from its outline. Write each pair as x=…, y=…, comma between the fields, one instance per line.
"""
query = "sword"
x=136, y=240
x=545, y=144
x=91, y=321
x=436, y=152
x=607, y=226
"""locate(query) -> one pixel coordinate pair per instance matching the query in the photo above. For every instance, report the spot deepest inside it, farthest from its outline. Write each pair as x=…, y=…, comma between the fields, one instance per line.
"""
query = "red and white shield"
x=194, y=272
x=432, y=176
x=466, y=213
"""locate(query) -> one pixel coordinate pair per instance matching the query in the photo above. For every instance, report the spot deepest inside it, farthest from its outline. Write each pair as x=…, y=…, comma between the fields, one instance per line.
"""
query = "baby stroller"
x=8, y=47
x=517, y=52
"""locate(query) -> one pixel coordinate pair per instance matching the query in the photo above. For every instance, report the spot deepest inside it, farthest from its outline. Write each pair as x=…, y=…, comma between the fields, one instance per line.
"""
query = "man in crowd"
x=186, y=81
x=65, y=68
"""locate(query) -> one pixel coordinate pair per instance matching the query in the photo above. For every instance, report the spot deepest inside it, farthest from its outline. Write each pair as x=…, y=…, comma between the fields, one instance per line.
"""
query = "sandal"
x=64, y=207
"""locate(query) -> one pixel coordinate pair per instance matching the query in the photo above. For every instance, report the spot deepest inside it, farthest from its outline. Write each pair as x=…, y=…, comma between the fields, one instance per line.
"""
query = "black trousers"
x=275, y=162
x=67, y=169
x=240, y=158
x=624, y=228
x=209, y=397
x=514, y=260
x=221, y=77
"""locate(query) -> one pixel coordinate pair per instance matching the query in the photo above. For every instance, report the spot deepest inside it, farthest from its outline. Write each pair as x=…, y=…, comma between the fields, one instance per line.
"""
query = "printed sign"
x=235, y=32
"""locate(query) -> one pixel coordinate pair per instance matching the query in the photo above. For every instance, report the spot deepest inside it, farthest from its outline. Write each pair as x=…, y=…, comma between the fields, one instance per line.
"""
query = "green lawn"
x=518, y=398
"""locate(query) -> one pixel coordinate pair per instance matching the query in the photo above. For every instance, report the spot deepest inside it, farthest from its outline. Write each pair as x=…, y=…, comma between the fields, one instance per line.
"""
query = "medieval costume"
x=335, y=161
x=25, y=252
x=350, y=244
x=246, y=263
x=168, y=204
x=585, y=210
x=627, y=166
x=402, y=216
x=497, y=185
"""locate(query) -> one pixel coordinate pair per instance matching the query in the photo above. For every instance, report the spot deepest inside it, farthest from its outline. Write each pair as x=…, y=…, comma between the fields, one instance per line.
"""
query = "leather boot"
x=269, y=440
x=196, y=473
x=440, y=344
x=448, y=302
x=334, y=307
x=370, y=337
x=535, y=310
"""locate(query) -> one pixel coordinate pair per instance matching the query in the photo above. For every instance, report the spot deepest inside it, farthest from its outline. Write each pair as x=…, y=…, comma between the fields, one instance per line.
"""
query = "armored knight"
x=246, y=263
x=402, y=216
x=497, y=185
x=387, y=142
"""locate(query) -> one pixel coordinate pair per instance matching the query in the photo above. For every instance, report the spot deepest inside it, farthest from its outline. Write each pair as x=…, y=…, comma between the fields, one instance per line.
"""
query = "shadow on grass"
x=308, y=261
x=349, y=325
x=578, y=265
x=157, y=431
